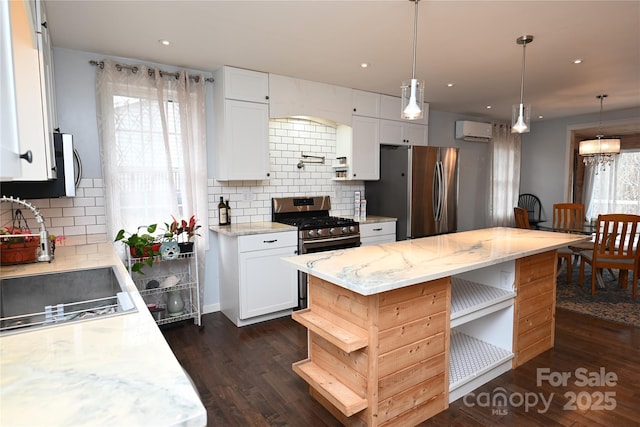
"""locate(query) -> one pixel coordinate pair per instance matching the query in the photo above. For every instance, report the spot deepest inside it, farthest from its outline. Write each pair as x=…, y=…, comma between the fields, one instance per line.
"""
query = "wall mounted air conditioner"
x=473, y=131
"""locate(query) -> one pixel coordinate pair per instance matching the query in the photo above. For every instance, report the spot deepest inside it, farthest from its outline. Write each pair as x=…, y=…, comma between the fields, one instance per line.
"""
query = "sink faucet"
x=45, y=248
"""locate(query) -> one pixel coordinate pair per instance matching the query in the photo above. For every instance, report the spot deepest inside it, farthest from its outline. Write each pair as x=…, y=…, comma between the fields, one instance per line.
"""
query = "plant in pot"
x=142, y=245
x=18, y=249
x=185, y=231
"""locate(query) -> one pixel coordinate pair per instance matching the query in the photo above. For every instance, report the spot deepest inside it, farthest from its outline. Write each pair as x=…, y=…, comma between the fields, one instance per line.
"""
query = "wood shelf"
x=339, y=395
x=347, y=340
x=471, y=300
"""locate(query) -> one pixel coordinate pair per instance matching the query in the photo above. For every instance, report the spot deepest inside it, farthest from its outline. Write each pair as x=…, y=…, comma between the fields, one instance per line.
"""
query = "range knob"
x=311, y=233
x=344, y=230
x=332, y=230
x=320, y=231
x=352, y=229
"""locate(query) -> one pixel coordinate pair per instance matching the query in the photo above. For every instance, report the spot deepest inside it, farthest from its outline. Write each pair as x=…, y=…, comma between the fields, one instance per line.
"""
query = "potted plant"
x=142, y=245
x=18, y=249
x=185, y=231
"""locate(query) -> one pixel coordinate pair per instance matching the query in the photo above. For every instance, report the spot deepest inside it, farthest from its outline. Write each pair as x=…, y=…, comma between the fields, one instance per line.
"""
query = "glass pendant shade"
x=520, y=118
x=412, y=100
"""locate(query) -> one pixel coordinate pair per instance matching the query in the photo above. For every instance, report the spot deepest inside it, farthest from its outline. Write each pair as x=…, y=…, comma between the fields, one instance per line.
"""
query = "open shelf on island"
x=471, y=300
x=473, y=362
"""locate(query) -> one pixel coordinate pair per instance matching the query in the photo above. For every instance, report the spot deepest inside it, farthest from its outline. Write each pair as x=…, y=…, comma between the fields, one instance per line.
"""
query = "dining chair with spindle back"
x=616, y=246
x=532, y=204
x=568, y=217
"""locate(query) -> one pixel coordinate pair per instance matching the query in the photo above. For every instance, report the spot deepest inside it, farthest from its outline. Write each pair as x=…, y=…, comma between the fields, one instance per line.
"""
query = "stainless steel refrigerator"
x=419, y=186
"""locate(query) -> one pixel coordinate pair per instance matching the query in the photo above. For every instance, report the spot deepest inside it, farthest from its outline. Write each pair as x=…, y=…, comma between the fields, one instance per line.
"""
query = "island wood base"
x=383, y=359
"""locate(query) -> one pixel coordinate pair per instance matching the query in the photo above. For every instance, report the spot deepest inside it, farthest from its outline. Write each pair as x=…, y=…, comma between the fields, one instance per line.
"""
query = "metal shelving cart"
x=166, y=277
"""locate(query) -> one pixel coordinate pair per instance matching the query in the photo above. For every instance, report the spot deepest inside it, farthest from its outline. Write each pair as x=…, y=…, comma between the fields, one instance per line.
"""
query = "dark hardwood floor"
x=244, y=377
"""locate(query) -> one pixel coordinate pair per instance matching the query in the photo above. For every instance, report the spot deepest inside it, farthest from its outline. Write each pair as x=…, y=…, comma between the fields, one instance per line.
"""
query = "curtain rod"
x=134, y=69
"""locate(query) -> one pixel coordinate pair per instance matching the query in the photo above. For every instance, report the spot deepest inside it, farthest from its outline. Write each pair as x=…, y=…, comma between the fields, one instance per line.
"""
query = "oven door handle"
x=332, y=239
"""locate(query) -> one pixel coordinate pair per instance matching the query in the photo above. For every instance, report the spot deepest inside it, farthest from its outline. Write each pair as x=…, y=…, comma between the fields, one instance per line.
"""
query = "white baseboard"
x=211, y=308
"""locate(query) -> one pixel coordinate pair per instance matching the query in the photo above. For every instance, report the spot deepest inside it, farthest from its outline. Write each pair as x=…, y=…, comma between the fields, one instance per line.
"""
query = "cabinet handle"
x=268, y=174
x=377, y=229
x=28, y=156
x=266, y=97
x=269, y=241
x=44, y=24
x=354, y=110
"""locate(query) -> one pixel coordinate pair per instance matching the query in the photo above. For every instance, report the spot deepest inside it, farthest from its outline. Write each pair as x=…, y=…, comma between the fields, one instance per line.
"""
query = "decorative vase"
x=175, y=304
x=169, y=250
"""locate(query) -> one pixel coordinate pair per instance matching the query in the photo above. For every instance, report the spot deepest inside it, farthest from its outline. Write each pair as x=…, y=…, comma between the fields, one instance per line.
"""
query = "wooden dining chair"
x=616, y=247
x=568, y=217
x=522, y=218
x=533, y=206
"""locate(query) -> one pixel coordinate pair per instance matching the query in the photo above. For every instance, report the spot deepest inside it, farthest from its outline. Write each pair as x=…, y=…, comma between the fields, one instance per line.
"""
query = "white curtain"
x=152, y=130
x=600, y=189
x=504, y=175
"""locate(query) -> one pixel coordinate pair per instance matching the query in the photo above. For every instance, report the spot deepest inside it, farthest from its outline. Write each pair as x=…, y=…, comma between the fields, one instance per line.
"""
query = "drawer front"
x=377, y=229
x=259, y=242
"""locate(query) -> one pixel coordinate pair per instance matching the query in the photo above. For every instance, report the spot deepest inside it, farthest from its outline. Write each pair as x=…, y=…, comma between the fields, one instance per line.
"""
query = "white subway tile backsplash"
x=288, y=139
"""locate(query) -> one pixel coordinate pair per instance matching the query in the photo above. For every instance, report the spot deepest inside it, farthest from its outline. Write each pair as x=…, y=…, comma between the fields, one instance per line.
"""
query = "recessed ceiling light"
x=489, y=107
x=364, y=65
x=164, y=42
x=450, y=84
x=541, y=116
x=577, y=61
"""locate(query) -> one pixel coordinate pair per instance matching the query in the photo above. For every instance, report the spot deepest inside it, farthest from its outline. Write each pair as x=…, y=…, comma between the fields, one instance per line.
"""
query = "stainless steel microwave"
x=67, y=168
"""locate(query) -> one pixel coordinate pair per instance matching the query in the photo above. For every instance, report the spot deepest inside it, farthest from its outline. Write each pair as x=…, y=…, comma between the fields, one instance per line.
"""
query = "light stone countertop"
x=248, y=228
x=372, y=219
x=116, y=371
x=369, y=270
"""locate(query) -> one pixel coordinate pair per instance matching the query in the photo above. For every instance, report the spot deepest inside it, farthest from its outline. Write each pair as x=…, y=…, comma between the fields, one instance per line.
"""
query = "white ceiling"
x=469, y=43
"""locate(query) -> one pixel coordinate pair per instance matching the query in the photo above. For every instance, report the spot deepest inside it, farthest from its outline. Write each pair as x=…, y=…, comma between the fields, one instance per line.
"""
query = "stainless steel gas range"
x=317, y=230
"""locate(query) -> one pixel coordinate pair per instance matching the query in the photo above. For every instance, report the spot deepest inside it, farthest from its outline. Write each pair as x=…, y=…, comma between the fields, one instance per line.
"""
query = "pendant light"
x=521, y=114
x=599, y=151
x=413, y=91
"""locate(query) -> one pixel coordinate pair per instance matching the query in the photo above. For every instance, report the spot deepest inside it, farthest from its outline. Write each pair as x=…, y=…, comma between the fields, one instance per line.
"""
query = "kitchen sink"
x=46, y=300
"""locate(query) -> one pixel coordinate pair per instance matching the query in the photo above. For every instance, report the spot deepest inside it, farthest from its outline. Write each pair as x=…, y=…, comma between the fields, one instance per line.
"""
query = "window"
x=617, y=189
x=153, y=146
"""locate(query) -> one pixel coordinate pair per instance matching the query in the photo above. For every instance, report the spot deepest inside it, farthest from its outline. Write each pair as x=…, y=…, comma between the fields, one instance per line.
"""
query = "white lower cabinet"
x=378, y=232
x=255, y=283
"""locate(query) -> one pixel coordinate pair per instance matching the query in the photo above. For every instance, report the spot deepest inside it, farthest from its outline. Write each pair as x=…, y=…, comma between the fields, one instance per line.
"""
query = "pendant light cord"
x=415, y=39
x=524, y=50
x=600, y=134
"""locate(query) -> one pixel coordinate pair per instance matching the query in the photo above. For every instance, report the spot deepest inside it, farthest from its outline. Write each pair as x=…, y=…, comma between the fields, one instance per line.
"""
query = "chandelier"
x=599, y=151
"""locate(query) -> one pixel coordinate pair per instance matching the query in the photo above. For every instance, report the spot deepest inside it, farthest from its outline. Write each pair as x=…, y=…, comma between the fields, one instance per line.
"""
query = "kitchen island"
x=116, y=371
x=397, y=331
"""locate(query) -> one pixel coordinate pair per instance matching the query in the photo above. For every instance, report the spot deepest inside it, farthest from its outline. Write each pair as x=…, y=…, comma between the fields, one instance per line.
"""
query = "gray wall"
x=545, y=155
x=473, y=161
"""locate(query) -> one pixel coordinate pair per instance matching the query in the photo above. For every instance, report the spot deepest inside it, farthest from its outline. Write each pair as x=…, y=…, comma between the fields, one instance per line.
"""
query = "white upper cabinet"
x=291, y=97
x=393, y=132
x=241, y=149
x=33, y=86
x=366, y=103
x=359, y=144
x=246, y=85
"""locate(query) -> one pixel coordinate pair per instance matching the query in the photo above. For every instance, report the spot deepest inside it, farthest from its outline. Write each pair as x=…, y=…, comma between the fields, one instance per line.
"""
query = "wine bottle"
x=223, y=218
x=228, y=212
